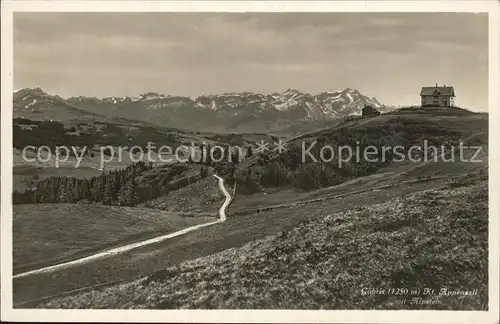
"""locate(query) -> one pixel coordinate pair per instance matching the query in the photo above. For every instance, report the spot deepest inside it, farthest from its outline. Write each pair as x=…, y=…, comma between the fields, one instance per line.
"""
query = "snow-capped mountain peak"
x=328, y=104
x=149, y=96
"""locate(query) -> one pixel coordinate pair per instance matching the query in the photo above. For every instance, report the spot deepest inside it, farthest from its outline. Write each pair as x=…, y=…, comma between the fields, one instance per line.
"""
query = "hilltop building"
x=440, y=96
x=369, y=111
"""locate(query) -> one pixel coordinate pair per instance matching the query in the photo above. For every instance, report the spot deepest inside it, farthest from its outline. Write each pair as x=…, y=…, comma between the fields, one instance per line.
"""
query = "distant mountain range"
x=228, y=112
x=36, y=104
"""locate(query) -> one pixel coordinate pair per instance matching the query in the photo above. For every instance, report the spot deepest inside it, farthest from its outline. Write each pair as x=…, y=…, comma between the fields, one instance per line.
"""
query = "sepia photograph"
x=304, y=158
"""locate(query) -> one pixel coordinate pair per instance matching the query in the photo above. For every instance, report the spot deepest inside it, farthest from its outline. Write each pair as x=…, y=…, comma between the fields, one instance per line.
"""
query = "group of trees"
x=203, y=172
x=211, y=156
x=116, y=187
x=224, y=161
x=125, y=187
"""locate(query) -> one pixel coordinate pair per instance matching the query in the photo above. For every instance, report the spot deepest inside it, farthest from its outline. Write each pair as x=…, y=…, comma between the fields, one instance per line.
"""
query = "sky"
x=389, y=56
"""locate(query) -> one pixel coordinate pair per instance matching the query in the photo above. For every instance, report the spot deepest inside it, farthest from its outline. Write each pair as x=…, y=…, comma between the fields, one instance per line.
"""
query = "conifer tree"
x=249, y=152
x=110, y=192
x=65, y=194
x=128, y=194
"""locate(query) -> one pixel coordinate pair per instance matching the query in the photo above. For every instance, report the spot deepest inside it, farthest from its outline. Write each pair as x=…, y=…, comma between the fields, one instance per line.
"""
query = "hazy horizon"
x=389, y=56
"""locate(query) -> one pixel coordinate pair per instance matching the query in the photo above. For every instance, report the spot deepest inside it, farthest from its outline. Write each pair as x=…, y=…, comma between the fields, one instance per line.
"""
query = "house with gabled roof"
x=369, y=111
x=440, y=96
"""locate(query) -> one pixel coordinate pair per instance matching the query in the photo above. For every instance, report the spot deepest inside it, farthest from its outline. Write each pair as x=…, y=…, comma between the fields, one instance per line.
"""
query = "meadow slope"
x=45, y=234
x=432, y=239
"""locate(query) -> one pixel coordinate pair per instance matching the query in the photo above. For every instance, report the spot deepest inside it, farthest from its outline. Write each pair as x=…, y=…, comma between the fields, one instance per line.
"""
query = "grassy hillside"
x=431, y=239
x=238, y=230
x=404, y=129
x=48, y=233
x=191, y=198
x=169, y=177
x=434, y=110
x=304, y=127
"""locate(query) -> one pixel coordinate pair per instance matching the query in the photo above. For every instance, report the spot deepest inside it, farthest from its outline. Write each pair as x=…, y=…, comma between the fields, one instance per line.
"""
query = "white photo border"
x=249, y=316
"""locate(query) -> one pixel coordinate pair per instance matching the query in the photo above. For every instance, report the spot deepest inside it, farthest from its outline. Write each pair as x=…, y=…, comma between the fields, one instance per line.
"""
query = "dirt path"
x=128, y=247
x=138, y=263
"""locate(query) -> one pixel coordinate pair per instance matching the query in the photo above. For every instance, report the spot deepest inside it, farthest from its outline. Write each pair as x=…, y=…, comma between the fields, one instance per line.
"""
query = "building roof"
x=445, y=91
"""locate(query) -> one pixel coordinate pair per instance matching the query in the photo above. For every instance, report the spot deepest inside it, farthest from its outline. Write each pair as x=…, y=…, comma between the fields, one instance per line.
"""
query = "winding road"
x=128, y=247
